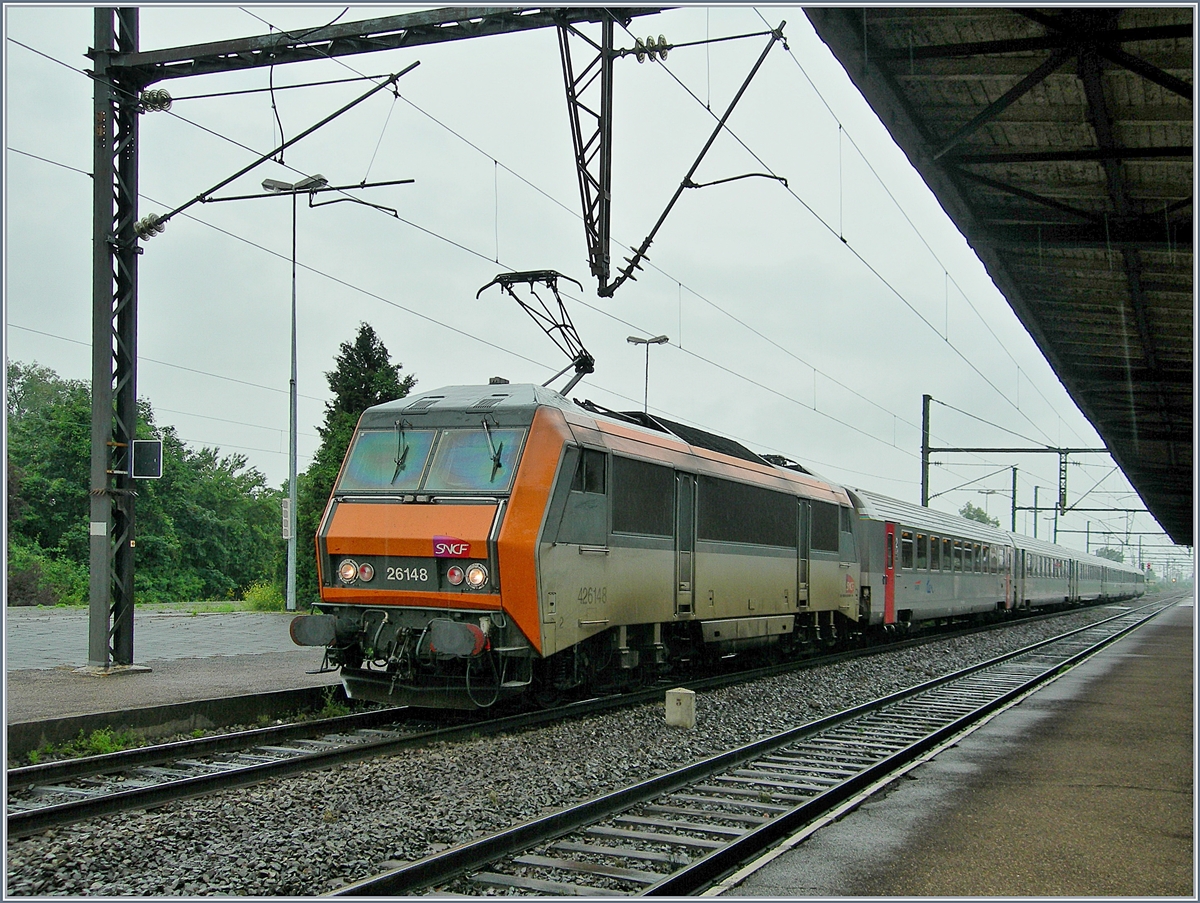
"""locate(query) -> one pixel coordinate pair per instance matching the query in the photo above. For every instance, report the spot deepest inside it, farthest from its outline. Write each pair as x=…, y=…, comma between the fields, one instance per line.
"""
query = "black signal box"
x=146, y=459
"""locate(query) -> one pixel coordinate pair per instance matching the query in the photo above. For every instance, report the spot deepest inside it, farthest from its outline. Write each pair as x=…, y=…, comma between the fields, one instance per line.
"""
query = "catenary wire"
x=459, y=332
x=606, y=313
x=485, y=257
x=478, y=149
x=854, y=251
x=411, y=224
x=453, y=329
x=577, y=215
x=151, y=360
x=904, y=213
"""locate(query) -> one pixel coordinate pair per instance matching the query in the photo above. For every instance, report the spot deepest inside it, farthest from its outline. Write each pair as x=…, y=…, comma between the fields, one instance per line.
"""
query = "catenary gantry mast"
x=121, y=73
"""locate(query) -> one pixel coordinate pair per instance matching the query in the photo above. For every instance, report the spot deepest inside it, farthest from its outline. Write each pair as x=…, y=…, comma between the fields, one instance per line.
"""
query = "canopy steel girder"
x=1041, y=193
x=1024, y=45
x=416, y=29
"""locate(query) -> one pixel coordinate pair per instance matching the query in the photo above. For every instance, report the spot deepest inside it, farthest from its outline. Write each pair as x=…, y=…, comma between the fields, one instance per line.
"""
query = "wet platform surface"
x=1083, y=789
x=191, y=657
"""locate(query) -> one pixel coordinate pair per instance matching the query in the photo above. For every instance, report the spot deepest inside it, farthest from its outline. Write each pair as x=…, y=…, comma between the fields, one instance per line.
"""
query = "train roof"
x=472, y=399
x=885, y=508
x=511, y=397
x=879, y=506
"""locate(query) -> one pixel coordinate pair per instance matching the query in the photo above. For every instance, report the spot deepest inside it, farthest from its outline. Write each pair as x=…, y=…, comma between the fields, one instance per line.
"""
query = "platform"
x=190, y=658
x=1083, y=789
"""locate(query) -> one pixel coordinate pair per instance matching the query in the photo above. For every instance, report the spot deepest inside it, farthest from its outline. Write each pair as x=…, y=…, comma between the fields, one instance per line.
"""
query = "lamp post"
x=985, y=493
x=311, y=183
x=657, y=340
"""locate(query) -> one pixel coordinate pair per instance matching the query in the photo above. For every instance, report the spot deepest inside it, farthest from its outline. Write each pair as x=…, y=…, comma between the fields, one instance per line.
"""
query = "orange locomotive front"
x=427, y=550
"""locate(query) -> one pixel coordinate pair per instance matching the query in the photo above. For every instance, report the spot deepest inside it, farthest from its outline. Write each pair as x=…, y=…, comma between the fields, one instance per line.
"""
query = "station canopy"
x=1060, y=143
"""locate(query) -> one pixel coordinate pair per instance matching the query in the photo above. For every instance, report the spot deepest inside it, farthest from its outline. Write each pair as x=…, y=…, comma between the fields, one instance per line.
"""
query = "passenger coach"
x=925, y=564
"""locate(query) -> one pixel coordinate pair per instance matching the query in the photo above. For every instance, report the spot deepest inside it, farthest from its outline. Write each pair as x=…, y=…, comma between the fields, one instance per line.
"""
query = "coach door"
x=889, y=573
x=802, y=561
x=685, y=542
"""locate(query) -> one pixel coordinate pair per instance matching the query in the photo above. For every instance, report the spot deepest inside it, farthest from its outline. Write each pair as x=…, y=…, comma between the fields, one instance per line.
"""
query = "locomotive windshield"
x=474, y=460
x=481, y=459
x=387, y=460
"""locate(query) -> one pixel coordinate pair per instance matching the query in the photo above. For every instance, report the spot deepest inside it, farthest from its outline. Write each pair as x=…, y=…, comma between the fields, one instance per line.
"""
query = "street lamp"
x=309, y=183
x=657, y=340
x=988, y=492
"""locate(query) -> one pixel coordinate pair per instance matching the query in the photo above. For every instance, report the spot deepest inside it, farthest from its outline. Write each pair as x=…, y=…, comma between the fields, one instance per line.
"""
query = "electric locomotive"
x=487, y=541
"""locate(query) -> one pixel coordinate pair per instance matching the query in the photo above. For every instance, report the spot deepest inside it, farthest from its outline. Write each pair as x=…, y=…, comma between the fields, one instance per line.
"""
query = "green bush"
x=37, y=577
x=263, y=596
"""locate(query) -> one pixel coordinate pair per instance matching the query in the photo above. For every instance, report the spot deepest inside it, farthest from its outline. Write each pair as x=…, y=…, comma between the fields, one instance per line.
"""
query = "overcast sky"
x=782, y=334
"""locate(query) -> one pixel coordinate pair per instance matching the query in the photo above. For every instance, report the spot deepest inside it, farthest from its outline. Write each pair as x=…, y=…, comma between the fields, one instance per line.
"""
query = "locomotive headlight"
x=455, y=575
x=348, y=570
x=477, y=576
x=365, y=572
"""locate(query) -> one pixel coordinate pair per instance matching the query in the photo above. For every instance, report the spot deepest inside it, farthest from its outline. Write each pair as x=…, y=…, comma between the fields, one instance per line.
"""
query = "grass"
x=212, y=606
x=333, y=708
x=98, y=743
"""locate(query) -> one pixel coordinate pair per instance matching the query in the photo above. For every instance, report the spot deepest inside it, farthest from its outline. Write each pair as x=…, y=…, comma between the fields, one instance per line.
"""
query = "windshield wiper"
x=401, y=449
x=495, y=451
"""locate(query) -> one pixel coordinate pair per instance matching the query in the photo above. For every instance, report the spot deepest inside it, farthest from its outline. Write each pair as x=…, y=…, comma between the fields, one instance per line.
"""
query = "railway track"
x=681, y=832
x=69, y=791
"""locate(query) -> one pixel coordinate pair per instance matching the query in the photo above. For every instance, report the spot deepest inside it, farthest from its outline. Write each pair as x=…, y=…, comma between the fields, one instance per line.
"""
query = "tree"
x=1110, y=554
x=207, y=529
x=970, y=512
x=363, y=375
x=49, y=465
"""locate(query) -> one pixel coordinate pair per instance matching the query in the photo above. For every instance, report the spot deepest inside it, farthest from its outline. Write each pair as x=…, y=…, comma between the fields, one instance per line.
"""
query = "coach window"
x=824, y=527
x=935, y=554
x=589, y=473
x=985, y=560
x=643, y=497
x=978, y=559
x=922, y=552
x=906, y=549
x=947, y=555
x=958, y=558
x=968, y=559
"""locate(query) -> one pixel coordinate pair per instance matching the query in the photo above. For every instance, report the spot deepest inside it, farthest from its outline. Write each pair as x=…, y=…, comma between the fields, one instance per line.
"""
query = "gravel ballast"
x=313, y=833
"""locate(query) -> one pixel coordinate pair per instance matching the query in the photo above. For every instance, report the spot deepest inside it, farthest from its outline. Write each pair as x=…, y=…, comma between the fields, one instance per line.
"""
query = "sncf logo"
x=449, y=547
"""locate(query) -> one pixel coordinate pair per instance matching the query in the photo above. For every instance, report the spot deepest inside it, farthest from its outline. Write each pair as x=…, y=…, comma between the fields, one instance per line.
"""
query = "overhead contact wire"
x=485, y=257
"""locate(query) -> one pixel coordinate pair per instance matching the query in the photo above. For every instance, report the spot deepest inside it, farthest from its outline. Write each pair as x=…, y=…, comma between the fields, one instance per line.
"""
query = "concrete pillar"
x=681, y=708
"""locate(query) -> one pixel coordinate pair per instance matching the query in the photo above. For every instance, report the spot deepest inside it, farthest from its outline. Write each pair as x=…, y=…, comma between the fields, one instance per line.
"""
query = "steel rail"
x=33, y=820
x=107, y=763
x=708, y=869
x=440, y=868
